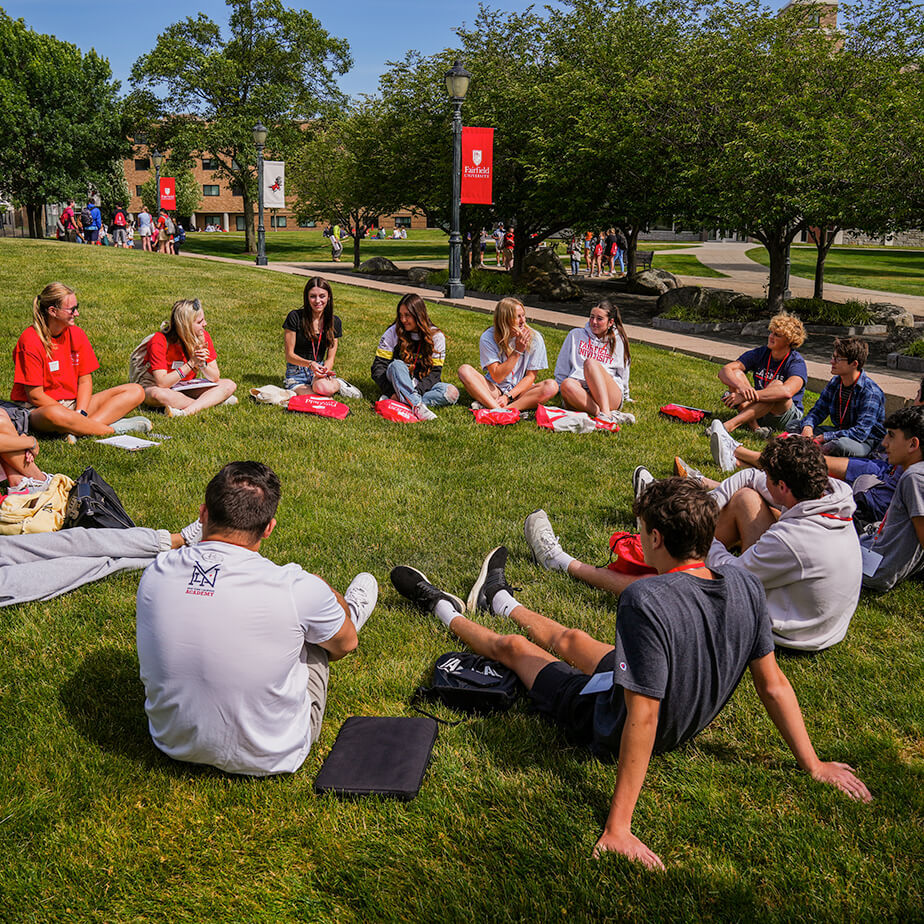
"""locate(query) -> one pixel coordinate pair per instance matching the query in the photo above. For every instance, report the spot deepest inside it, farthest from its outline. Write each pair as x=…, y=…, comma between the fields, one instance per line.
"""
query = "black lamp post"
x=259, y=137
x=158, y=160
x=457, y=81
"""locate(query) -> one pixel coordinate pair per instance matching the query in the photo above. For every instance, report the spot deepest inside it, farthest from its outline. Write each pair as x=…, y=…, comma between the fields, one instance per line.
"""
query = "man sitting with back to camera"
x=684, y=638
x=234, y=649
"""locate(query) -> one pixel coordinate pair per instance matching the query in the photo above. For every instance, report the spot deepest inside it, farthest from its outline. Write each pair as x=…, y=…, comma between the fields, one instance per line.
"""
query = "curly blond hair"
x=789, y=326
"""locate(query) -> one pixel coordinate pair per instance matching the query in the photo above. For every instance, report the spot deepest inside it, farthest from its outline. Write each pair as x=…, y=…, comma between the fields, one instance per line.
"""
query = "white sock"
x=561, y=561
x=503, y=603
x=445, y=612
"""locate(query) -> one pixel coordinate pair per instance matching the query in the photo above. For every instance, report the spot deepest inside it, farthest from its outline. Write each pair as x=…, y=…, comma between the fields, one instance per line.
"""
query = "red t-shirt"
x=71, y=357
x=170, y=356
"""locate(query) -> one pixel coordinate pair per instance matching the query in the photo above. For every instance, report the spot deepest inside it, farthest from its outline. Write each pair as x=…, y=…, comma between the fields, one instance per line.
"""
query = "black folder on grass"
x=378, y=755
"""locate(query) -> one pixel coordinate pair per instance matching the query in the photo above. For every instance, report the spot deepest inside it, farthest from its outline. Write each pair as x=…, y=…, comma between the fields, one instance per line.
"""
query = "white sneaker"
x=361, y=597
x=348, y=390
x=230, y=401
x=684, y=470
x=175, y=412
x=477, y=406
x=723, y=446
x=641, y=478
x=543, y=543
x=193, y=532
x=132, y=425
x=422, y=412
x=31, y=485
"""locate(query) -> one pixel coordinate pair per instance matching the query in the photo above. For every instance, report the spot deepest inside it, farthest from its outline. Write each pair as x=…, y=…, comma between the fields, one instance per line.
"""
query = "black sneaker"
x=490, y=580
x=414, y=585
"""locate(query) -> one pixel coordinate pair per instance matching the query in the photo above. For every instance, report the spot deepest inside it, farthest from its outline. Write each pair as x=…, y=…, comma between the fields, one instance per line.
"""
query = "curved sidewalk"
x=898, y=389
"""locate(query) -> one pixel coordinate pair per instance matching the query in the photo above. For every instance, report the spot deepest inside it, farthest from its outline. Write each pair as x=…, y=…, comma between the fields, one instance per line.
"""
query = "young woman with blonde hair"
x=511, y=354
x=53, y=374
x=179, y=352
x=592, y=370
x=408, y=362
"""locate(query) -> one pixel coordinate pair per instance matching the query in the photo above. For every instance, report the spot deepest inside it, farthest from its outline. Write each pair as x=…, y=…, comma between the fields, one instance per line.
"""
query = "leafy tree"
x=338, y=170
x=61, y=123
x=203, y=92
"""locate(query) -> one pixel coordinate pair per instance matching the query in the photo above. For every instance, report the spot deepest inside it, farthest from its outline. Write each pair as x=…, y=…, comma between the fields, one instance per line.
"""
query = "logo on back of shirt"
x=202, y=581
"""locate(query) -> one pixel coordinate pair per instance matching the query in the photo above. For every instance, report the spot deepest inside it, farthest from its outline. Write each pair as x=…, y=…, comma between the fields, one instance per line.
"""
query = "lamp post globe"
x=259, y=139
x=457, y=82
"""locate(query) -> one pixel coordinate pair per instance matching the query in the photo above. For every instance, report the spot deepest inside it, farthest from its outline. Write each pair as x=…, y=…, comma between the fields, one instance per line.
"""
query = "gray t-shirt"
x=532, y=361
x=685, y=641
x=897, y=542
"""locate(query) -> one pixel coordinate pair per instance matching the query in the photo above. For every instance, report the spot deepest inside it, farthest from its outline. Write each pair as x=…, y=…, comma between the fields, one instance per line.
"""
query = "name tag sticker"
x=176, y=366
x=871, y=561
x=54, y=365
x=599, y=683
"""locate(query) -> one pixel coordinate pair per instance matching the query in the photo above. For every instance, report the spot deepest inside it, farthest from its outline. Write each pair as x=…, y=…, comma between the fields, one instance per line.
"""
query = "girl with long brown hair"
x=408, y=362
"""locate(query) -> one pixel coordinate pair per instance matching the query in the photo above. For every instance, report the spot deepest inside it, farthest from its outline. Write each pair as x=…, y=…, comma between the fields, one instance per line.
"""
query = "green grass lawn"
x=882, y=268
x=97, y=825
x=685, y=264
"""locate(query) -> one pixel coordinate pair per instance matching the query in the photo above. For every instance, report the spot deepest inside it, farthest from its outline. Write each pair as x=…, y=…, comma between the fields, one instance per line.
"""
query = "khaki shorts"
x=318, y=676
x=69, y=403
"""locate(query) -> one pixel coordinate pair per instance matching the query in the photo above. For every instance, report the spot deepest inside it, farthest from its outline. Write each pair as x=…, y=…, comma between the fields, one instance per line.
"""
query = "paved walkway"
x=750, y=278
x=898, y=389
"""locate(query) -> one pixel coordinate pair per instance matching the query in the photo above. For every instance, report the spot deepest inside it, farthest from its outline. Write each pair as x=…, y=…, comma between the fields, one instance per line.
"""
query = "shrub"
x=915, y=349
x=480, y=280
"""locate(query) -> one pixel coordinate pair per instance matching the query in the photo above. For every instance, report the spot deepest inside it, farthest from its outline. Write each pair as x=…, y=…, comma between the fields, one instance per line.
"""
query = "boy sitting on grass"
x=684, y=638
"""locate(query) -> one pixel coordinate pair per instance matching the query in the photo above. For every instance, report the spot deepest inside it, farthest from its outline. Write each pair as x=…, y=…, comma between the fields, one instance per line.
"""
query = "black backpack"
x=93, y=504
x=471, y=683
x=86, y=217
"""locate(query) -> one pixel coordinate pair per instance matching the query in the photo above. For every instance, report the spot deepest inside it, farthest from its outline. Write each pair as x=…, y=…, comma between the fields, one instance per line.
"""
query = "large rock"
x=652, y=282
x=682, y=296
x=892, y=315
x=418, y=275
x=556, y=287
x=378, y=266
x=545, y=259
x=734, y=306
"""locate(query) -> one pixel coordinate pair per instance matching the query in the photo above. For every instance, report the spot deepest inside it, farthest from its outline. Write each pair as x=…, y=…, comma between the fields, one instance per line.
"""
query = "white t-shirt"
x=221, y=635
x=532, y=360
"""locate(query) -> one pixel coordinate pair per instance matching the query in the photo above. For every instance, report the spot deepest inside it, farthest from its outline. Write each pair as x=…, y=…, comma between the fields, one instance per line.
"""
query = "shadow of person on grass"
x=104, y=700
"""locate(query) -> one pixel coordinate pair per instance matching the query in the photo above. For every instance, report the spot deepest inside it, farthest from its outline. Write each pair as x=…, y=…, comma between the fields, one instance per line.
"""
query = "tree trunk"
x=356, y=240
x=631, y=233
x=469, y=242
x=776, y=245
x=520, y=240
x=824, y=238
x=250, y=238
x=34, y=216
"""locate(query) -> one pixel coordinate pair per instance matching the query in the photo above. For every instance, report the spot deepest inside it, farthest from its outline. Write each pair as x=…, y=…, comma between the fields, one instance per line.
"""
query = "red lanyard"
x=842, y=408
x=690, y=567
x=770, y=378
x=316, y=347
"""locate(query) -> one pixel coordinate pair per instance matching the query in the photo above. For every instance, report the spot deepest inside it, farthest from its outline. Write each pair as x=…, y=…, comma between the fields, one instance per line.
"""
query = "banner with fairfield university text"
x=167, y=192
x=477, y=165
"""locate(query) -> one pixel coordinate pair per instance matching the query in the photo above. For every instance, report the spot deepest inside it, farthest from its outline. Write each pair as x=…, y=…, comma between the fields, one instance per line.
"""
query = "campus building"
x=222, y=205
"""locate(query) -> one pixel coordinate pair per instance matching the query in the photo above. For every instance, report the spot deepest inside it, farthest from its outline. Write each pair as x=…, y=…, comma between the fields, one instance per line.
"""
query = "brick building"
x=222, y=205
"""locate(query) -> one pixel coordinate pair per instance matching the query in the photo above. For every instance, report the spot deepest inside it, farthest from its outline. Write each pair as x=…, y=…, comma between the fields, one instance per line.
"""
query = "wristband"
x=82, y=413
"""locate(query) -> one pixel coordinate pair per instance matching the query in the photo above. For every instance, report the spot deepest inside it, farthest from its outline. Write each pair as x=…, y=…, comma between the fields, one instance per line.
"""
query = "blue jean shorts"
x=297, y=375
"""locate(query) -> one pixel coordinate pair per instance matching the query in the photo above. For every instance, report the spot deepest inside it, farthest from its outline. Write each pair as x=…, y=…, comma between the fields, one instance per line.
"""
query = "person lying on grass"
x=684, y=638
x=779, y=370
x=793, y=526
x=53, y=374
x=511, y=354
x=179, y=352
x=592, y=370
x=409, y=359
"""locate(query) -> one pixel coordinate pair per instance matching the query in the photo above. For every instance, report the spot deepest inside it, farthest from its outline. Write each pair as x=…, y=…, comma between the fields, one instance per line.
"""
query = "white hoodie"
x=808, y=561
x=581, y=344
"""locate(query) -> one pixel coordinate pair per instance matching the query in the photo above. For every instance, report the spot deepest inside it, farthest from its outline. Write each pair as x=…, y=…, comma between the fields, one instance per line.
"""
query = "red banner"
x=477, y=165
x=167, y=192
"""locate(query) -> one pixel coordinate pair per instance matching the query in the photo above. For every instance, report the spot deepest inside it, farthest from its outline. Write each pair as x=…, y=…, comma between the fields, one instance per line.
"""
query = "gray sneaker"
x=542, y=541
x=723, y=446
x=361, y=597
x=348, y=390
x=422, y=412
x=193, y=532
x=686, y=471
x=132, y=425
x=641, y=478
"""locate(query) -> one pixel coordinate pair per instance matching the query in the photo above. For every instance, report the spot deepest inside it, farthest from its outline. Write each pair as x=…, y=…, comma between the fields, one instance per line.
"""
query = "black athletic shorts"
x=556, y=695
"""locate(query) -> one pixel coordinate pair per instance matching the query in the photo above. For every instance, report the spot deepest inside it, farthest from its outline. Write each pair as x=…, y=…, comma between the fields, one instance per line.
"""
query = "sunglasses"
x=72, y=310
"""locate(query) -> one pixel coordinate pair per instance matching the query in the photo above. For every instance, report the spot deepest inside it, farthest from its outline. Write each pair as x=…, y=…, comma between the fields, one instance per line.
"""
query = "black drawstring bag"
x=93, y=504
x=468, y=682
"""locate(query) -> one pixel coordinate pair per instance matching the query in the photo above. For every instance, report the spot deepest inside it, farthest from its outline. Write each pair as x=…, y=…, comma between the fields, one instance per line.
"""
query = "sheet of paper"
x=871, y=561
x=599, y=683
x=193, y=383
x=127, y=441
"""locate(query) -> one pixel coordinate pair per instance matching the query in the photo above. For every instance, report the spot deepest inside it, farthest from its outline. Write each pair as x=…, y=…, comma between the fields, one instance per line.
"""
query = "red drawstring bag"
x=395, y=411
x=627, y=547
x=684, y=414
x=318, y=404
x=497, y=417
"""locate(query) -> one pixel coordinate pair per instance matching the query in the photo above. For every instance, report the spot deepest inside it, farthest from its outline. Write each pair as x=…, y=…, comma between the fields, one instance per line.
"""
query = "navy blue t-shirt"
x=686, y=641
x=766, y=369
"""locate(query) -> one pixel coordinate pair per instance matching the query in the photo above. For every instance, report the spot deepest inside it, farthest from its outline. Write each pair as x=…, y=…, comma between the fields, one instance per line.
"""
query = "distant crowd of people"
x=160, y=233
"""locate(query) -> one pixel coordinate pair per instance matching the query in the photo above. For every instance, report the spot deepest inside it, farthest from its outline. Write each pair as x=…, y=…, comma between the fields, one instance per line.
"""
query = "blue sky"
x=377, y=30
